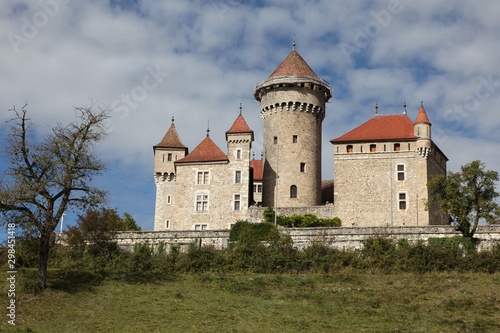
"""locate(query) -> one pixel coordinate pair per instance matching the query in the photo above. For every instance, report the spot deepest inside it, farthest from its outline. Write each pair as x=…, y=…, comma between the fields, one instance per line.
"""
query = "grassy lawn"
x=343, y=302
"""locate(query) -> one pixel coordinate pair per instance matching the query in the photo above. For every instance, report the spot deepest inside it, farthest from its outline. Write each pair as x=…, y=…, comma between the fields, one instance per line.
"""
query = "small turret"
x=239, y=139
x=422, y=129
x=169, y=150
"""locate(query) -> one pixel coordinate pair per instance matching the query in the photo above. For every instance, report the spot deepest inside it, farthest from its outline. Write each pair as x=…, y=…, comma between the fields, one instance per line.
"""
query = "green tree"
x=467, y=196
x=130, y=222
x=93, y=230
x=50, y=173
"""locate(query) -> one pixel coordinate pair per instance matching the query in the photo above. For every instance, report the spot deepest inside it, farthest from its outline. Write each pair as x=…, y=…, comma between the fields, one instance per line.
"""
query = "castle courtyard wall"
x=339, y=238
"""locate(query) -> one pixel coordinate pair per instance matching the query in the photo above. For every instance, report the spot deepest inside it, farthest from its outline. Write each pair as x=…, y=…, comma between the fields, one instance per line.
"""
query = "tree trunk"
x=43, y=259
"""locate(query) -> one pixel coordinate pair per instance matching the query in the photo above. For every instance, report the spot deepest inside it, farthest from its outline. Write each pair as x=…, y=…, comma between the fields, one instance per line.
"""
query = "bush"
x=300, y=221
x=245, y=232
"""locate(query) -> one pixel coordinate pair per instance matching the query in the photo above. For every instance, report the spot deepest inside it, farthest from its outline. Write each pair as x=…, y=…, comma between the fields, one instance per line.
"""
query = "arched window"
x=293, y=192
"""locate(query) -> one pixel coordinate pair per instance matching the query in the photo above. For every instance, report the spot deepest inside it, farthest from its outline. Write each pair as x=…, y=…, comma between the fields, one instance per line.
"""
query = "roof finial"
x=241, y=108
x=376, y=110
x=421, y=104
x=173, y=121
x=404, y=109
x=208, y=129
x=293, y=42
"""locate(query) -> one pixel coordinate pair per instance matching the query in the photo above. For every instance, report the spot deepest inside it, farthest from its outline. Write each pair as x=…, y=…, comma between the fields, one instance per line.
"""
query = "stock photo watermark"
x=11, y=273
x=33, y=23
x=380, y=20
x=138, y=94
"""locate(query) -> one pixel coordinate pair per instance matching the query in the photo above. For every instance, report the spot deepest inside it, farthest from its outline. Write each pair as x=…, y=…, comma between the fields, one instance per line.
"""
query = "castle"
x=381, y=168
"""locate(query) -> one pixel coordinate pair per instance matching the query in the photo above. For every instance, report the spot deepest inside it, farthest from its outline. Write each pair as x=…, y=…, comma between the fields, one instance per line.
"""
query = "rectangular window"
x=200, y=227
x=259, y=188
x=295, y=139
x=275, y=140
x=402, y=201
x=349, y=148
x=202, y=203
x=238, y=154
x=167, y=224
x=255, y=189
x=397, y=147
x=302, y=167
x=401, y=172
x=373, y=148
x=237, y=177
x=237, y=202
x=202, y=178
x=169, y=157
x=169, y=199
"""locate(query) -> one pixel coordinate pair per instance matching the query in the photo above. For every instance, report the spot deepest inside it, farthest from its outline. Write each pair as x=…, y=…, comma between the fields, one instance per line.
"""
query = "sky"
x=149, y=61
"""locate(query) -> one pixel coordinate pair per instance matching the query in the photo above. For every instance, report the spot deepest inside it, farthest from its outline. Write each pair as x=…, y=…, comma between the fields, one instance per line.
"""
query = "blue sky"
x=197, y=60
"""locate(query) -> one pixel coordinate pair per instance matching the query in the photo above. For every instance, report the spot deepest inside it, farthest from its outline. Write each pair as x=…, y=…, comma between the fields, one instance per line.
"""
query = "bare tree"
x=51, y=174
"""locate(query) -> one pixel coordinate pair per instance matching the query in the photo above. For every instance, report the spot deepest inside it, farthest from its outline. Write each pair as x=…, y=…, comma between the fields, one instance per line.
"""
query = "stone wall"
x=340, y=238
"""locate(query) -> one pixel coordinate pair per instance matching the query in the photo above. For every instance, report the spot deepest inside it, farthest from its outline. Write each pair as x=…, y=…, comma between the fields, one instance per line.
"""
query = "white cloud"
x=215, y=52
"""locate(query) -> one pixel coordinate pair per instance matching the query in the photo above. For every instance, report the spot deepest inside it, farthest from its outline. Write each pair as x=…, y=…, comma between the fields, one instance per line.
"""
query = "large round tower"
x=292, y=104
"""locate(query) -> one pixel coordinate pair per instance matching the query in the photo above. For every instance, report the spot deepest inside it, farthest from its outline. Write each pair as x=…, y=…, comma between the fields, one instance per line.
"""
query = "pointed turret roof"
x=206, y=151
x=239, y=126
x=171, y=140
x=382, y=128
x=293, y=65
x=422, y=116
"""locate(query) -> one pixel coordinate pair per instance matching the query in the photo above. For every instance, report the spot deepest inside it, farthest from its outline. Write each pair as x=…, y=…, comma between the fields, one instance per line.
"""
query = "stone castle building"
x=381, y=167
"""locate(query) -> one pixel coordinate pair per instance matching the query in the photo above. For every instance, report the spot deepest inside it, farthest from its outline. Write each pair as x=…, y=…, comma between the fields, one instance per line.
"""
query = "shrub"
x=245, y=232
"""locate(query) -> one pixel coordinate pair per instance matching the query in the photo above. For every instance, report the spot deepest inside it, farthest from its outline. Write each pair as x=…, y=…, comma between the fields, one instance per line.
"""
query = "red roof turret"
x=293, y=65
x=422, y=116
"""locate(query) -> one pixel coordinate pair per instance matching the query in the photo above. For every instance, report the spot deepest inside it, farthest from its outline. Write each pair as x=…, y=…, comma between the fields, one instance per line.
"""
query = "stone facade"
x=381, y=168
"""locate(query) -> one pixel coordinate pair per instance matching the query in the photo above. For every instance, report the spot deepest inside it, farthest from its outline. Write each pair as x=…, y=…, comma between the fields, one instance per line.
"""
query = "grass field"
x=343, y=302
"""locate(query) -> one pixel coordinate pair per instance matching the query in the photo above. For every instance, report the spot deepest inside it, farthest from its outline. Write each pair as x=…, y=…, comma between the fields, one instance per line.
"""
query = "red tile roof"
x=293, y=65
x=239, y=126
x=422, y=117
x=257, y=169
x=171, y=139
x=206, y=151
x=382, y=128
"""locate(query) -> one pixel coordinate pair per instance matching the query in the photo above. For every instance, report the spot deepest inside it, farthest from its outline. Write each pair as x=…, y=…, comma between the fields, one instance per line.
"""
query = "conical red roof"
x=381, y=128
x=206, y=151
x=293, y=65
x=239, y=126
x=171, y=139
x=422, y=117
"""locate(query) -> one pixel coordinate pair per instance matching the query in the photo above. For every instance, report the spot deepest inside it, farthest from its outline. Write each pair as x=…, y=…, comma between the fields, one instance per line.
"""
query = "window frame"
x=167, y=224
x=237, y=177
x=200, y=226
x=400, y=173
x=204, y=179
x=402, y=201
x=238, y=154
x=293, y=192
x=295, y=138
x=201, y=203
x=237, y=202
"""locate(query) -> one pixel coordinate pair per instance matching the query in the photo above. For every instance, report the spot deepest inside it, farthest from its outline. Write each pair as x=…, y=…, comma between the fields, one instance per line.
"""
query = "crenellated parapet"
x=424, y=151
x=294, y=107
x=165, y=177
